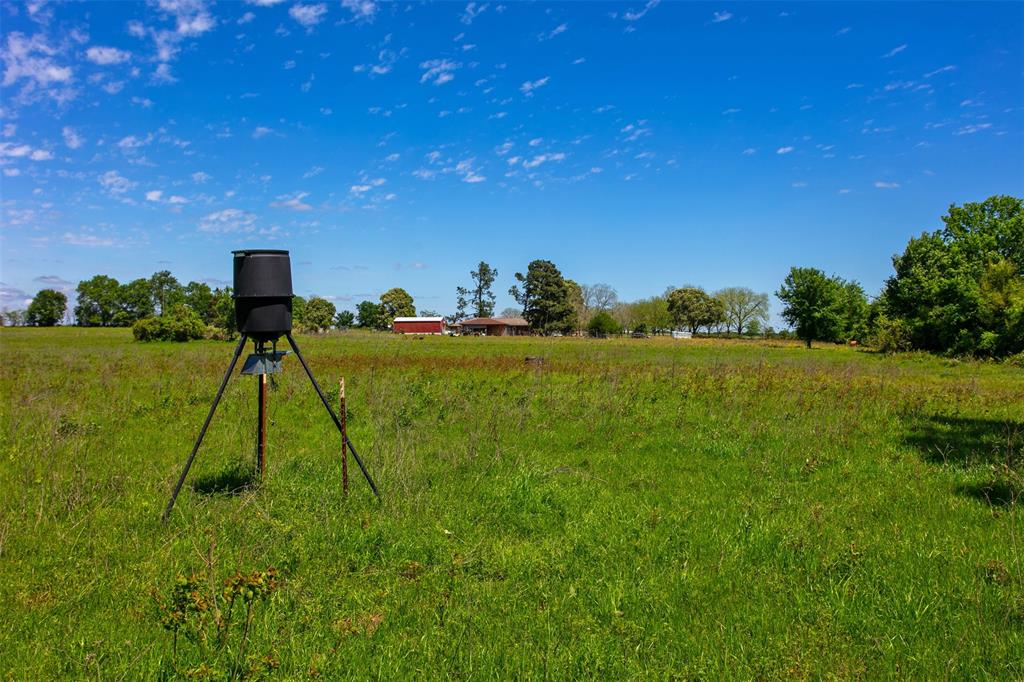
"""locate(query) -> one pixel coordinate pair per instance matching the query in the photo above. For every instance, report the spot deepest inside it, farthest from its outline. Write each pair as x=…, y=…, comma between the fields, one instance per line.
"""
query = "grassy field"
x=628, y=509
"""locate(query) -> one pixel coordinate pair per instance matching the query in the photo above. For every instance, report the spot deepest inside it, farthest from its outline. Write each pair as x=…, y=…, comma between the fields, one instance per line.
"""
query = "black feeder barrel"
x=263, y=293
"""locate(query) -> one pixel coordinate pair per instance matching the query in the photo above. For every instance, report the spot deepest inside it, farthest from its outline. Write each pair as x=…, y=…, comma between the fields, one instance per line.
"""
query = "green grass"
x=627, y=509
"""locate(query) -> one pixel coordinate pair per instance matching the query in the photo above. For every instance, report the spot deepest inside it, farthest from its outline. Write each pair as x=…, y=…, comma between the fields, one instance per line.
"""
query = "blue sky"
x=638, y=144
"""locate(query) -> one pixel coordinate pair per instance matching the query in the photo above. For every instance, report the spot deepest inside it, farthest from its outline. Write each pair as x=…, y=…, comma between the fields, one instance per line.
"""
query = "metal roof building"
x=418, y=325
x=495, y=326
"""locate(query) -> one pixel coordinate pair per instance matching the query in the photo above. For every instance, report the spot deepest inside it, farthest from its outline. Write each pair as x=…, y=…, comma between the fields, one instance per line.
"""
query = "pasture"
x=628, y=509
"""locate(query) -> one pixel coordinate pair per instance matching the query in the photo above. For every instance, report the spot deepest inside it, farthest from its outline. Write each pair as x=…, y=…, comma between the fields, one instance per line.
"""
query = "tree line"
x=957, y=290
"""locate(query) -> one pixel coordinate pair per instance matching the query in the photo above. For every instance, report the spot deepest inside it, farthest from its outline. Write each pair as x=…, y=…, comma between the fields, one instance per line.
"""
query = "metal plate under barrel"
x=264, y=363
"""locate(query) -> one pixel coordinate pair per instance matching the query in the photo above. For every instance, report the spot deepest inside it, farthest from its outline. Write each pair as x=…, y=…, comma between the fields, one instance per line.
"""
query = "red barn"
x=418, y=325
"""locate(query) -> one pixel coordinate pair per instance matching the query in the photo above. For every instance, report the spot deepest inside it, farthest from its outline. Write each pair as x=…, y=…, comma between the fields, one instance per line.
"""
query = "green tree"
x=954, y=289
x=224, y=311
x=545, y=298
x=298, y=309
x=199, y=297
x=578, y=303
x=603, y=324
x=319, y=314
x=368, y=315
x=167, y=291
x=812, y=304
x=47, y=308
x=854, y=312
x=98, y=301
x=692, y=308
x=396, y=302
x=345, y=319
x=742, y=306
x=477, y=299
x=135, y=301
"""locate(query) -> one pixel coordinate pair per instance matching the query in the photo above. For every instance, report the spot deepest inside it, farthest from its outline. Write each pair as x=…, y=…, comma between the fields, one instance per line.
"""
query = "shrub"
x=891, y=336
x=603, y=324
x=181, y=323
x=147, y=329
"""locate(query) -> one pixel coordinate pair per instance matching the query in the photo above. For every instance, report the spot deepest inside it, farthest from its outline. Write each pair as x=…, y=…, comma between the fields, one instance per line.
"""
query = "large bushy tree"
x=369, y=315
x=98, y=301
x=396, y=302
x=822, y=308
x=478, y=299
x=135, y=301
x=545, y=298
x=166, y=290
x=692, y=308
x=319, y=314
x=742, y=306
x=960, y=289
x=47, y=308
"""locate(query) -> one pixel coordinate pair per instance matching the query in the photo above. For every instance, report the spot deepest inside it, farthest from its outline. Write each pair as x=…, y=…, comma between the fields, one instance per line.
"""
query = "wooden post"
x=342, y=413
x=261, y=437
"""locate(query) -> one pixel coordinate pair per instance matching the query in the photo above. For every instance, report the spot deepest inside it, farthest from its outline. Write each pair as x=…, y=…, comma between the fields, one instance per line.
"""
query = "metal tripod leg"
x=330, y=411
x=206, y=425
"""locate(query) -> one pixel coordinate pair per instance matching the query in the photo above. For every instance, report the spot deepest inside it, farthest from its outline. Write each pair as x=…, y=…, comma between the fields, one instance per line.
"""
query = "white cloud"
x=246, y=18
x=154, y=195
x=176, y=199
x=636, y=15
x=440, y=71
x=528, y=87
x=105, y=56
x=293, y=202
x=87, y=239
x=843, y=31
x=132, y=142
x=200, y=177
x=749, y=151
x=467, y=171
x=361, y=9
x=557, y=30
x=17, y=151
x=313, y=172
x=973, y=128
x=163, y=74
x=308, y=15
x=264, y=3
x=894, y=51
x=844, y=190
x=543, y=158
x=634, y=131
x=854, y=86
x=261, y=131
x=799, y=183
x=472, y=11
x=24, y=151
x=944, y=69
x=114, y=183
x=784, y=150
x=731, y=111
x=887, y=185
x=11, y=172
x=227, y=221
x=142, y=102
x=719, y=17
x=31, y=60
